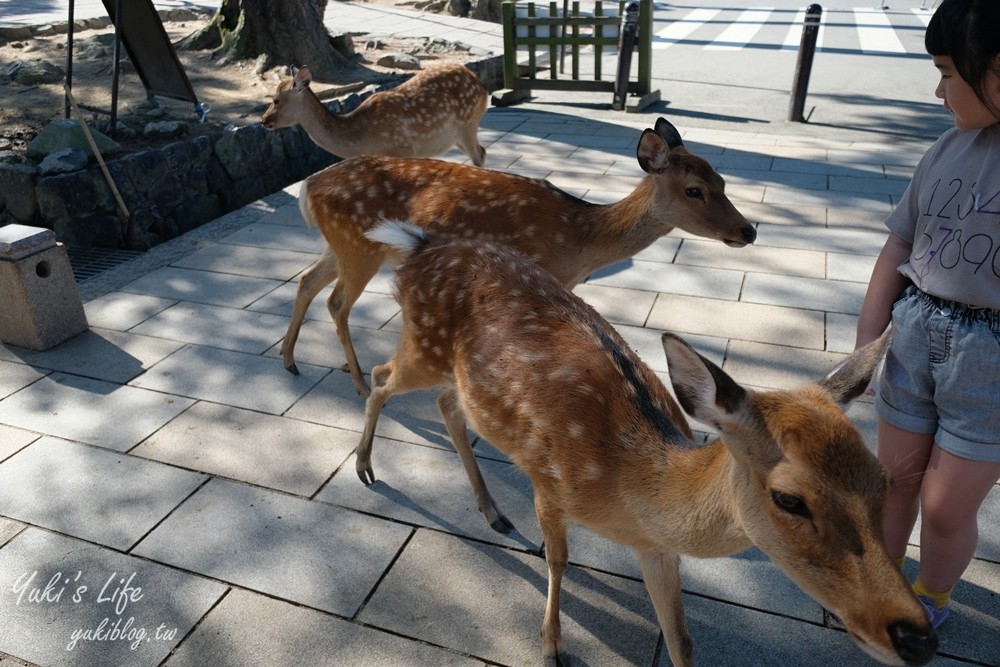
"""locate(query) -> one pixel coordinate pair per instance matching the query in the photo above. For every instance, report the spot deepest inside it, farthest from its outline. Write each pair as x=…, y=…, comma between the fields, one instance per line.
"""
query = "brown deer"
x=424, y=116
x=568, y=236
x=546, y=380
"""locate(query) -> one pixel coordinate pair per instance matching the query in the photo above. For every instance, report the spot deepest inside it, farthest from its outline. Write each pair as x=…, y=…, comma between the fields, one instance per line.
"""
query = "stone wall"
x=174, y=189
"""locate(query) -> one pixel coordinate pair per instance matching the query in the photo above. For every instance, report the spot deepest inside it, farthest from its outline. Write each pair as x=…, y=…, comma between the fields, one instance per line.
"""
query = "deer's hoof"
x=560, y=659
x=367, y=475
x=292, y=368
x=502, y=525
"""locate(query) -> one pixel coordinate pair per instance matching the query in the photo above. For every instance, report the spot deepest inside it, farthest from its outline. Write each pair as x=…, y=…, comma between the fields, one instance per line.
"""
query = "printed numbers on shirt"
x=950, y=248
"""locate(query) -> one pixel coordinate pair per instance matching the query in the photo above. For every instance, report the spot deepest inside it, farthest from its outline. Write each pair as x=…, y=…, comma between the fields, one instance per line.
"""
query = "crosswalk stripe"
x=873, y=29
x=875, y=32
x=923, y=14
x=794, y=37
x=742, y=30
x=680, y=29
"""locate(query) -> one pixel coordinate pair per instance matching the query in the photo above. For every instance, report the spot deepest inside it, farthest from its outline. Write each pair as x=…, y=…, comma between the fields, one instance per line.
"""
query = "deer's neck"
x=329, y=131
x=698, y=488
x=620, y=230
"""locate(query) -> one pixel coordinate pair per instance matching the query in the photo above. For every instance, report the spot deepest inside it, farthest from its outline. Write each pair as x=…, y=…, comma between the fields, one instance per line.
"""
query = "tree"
x=276, y=32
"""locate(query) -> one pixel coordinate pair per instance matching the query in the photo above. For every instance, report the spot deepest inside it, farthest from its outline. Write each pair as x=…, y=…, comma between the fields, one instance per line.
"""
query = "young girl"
x=938, y=276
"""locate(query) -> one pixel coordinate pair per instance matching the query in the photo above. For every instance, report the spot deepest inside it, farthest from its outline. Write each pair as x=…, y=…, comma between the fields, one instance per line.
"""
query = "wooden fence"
x=538, y=38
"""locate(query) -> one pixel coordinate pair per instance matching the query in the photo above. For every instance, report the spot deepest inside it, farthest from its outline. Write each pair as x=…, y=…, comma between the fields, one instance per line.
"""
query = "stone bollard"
x=40, y=305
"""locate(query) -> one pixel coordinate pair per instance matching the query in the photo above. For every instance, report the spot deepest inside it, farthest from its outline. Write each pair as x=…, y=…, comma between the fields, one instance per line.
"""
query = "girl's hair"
x=968, y=31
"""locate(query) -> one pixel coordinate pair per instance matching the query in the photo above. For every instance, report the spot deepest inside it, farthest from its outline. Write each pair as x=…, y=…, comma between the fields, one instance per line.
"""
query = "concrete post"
x=40, y=305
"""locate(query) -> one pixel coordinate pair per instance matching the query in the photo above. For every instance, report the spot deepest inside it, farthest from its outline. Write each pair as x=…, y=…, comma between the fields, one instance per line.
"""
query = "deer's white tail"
x=398, y=234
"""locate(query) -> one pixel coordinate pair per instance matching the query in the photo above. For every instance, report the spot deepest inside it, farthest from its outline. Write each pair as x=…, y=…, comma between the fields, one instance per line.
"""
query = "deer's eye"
x=791, y=504
x=693, y=193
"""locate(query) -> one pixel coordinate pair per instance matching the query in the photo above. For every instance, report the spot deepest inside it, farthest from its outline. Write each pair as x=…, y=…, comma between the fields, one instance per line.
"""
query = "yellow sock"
x=899, y=562
x=941, y=600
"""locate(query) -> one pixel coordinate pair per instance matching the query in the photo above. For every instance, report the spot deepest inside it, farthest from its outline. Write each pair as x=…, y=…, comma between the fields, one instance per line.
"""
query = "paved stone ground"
x=207, y=499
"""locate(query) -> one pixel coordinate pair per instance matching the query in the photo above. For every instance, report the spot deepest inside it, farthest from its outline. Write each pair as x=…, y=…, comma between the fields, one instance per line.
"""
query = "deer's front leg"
x=662, y=573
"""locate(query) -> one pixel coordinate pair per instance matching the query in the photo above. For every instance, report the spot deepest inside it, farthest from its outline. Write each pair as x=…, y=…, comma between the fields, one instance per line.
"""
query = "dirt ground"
x=236, y=94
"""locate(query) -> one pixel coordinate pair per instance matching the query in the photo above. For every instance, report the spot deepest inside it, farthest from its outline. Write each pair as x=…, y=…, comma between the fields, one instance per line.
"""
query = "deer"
x=424, y=116
x=568, y=236
x=546, y=380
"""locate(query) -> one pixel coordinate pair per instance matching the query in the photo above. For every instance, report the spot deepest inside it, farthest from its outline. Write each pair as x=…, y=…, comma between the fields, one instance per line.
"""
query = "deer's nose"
x=913, y=645
x=749, y=234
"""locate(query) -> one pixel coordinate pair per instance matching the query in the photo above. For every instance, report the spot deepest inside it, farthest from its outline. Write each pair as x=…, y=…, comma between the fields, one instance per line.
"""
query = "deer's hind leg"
x=403, y=373
x=323, y=272
x=356, y=271
x=552, y=521
x=468, y=143
x=454, y=421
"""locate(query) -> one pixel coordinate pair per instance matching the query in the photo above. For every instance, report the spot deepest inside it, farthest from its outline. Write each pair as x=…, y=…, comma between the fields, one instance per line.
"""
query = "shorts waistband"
x=956, y=309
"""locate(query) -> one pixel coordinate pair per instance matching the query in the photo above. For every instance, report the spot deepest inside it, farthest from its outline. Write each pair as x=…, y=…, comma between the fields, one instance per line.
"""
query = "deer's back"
x=531, y=215
x=539, y=374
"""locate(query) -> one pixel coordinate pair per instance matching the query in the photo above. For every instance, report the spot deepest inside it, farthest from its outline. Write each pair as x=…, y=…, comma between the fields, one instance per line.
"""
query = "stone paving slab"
x=234, y=378
x=215, y=326
x=9, y=528
x=318, y=345
x=250, y=629
x=656, y=276
x=779, y=261
x=92, y=411
x=439, y=591
x=15, y=376
x=219, y=289
x=12, y=439
x=249, y=260
x=848, y=241
x=370, y=311
x=93, y=592
x=738, y=320
x=279, y=237
x=104, y=354
x=831, y=296
x=618, y=306
x=426, y=486
x=330, y=558
x=61, y=486
x=122, y=311
x=276, y=452
x=777, y=366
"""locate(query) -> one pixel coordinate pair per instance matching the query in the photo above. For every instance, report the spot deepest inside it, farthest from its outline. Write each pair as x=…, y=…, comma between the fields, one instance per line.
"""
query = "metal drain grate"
x=88, y=263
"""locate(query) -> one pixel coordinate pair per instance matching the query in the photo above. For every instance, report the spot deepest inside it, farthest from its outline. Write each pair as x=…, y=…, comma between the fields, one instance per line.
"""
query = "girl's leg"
x=952, y=492
x=905, y=454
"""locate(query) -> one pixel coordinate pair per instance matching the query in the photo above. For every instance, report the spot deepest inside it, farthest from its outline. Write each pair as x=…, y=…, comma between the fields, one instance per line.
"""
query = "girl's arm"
x=884, y=288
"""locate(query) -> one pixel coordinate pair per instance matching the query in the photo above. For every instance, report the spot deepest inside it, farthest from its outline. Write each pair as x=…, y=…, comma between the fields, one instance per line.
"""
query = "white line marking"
x=794, y=37
x=923, y=14
x=739, y=34
x=875, y=32
x=678, y=30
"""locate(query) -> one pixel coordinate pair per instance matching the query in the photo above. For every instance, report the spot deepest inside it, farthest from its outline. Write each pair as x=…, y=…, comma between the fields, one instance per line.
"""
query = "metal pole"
x=626, y=44
x=117, y=67
x=803, y=68
x=69, y=55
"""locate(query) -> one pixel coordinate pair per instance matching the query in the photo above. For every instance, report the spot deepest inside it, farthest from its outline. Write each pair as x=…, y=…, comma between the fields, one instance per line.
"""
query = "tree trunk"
x=487, y=10
x=275, y=32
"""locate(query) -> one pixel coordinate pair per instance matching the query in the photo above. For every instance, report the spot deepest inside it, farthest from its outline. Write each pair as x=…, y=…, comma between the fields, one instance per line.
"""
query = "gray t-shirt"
x=950, y=213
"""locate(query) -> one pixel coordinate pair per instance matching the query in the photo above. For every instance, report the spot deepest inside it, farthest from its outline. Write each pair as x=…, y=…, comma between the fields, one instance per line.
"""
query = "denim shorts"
x=942, y=374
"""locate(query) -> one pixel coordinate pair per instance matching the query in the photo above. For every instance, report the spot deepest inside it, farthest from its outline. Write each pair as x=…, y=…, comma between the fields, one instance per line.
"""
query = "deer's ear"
x=303, y=77
x=668, y=132
x=703, y=389
x=652, y=152
x=851, y=377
